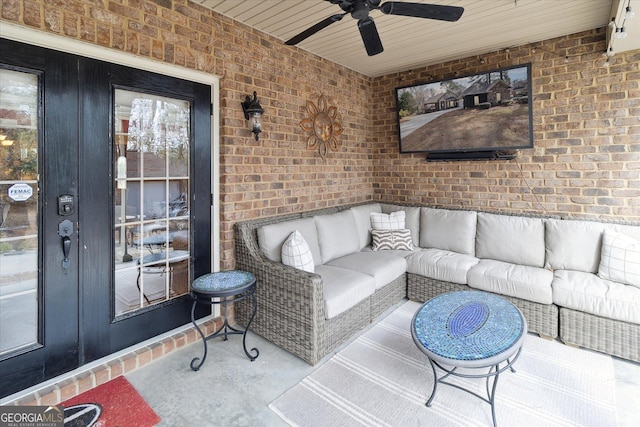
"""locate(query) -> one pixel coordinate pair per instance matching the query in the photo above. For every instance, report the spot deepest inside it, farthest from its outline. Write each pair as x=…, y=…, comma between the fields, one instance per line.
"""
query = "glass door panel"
x=19, y=243
x=151, y=239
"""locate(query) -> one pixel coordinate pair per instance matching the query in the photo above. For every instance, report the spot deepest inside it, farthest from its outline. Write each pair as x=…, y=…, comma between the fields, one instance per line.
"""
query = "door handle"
x=65, y=230
x=66, y=248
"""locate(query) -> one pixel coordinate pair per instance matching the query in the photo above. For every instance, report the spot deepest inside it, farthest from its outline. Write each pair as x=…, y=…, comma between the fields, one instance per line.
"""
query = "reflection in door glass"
x=18, y=210
x=151, y=193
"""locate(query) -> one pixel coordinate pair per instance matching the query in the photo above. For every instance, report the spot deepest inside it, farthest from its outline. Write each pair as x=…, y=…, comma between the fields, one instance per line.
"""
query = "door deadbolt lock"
x=66, y=205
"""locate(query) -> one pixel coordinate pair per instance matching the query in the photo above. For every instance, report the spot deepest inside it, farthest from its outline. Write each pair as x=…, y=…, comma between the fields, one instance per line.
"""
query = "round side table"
x=469, y=330
x=221, y=288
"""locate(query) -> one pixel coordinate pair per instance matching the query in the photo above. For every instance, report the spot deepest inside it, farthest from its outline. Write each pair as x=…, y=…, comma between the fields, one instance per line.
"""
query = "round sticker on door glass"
x=20, y=192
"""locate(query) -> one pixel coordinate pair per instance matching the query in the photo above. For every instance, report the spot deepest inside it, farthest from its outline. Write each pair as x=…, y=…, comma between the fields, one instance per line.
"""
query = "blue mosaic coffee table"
x=220, y=288
x=469, y=330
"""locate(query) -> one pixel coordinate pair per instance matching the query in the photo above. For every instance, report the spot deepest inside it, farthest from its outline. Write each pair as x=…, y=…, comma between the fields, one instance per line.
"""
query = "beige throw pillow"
x=392, y=221
x=620, y=258
x=296, y=253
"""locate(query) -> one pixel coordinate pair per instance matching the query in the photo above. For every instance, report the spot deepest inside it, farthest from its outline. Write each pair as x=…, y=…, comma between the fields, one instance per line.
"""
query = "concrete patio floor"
x=230, y=390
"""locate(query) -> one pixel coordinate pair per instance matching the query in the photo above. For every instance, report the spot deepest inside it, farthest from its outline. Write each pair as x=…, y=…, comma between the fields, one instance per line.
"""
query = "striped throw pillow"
x=391, y=239
x=296, y=253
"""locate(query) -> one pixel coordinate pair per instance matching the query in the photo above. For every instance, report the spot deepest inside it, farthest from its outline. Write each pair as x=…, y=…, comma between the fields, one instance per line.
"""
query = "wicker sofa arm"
x=290, y=301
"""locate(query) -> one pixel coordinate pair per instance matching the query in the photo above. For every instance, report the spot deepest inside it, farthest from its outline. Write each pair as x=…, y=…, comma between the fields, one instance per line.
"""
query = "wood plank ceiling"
x=485, y=26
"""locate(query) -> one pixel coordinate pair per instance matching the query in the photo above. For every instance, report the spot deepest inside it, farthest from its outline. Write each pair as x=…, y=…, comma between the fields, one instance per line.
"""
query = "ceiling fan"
x=359, y=9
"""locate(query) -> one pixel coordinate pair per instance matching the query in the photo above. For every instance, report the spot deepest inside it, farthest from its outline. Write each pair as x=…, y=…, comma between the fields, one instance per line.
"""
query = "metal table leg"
x=226, y=328
x=494, y=372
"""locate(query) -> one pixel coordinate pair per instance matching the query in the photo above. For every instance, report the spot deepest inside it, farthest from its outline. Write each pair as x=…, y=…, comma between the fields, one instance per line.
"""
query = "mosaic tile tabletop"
x=223, y=281
x=468, y=325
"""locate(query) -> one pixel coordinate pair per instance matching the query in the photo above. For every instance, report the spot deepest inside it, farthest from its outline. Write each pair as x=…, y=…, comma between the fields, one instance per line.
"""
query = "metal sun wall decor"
x=323, y=126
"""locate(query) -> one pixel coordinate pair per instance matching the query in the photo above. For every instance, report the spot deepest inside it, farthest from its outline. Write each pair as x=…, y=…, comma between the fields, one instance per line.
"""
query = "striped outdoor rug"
x=383, y=379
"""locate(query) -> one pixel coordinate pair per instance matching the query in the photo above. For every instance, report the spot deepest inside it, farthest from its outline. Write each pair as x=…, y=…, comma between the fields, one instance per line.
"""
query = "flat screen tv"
x=484, y=115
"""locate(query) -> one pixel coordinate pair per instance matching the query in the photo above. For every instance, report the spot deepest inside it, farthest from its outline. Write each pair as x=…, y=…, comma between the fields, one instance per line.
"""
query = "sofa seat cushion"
x=343, y=288
x=441, y=265
x=384, y=266
x=398, y=252
x=520, y=281
x=589, y=293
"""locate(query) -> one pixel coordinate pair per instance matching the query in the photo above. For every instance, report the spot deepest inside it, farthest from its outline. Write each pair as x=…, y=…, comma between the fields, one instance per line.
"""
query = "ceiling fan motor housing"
x=360, y=10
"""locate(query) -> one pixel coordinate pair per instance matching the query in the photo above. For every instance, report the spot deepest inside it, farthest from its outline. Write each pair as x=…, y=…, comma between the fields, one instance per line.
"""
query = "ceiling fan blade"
x=422, y=10
x=370, y=36
x=314, y=29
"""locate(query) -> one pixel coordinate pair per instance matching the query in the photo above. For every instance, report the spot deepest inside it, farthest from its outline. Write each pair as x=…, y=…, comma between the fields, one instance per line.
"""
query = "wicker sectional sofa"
x=552, y=269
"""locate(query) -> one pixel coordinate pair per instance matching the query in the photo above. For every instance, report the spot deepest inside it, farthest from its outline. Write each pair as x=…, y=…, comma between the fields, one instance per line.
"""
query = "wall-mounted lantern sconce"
x=252, y=112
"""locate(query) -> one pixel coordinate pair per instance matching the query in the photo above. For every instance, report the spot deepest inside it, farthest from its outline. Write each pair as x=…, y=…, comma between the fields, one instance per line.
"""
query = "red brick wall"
x=586, y=156
x=586, y=160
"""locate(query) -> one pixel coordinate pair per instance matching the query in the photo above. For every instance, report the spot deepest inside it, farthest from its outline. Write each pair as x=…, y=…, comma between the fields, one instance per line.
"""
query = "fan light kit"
x=359, y=9
x=617, y=31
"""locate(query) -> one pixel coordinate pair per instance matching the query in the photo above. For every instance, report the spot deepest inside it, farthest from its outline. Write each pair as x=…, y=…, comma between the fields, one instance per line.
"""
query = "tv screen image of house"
x=488, y=111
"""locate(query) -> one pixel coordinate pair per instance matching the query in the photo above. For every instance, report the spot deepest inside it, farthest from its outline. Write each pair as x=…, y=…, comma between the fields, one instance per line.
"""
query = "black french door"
x=38, y=296
x=109, y=202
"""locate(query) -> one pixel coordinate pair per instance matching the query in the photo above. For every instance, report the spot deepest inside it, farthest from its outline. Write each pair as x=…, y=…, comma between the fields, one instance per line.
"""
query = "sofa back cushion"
x=411, y=219
x=361, y=214
x=448, y=230
x=337, y=235
x=271, y=238
x=573, y=244
x=514, y=239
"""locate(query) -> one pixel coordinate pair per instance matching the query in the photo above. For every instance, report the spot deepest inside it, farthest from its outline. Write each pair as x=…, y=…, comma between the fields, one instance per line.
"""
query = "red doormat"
x=112, y=404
